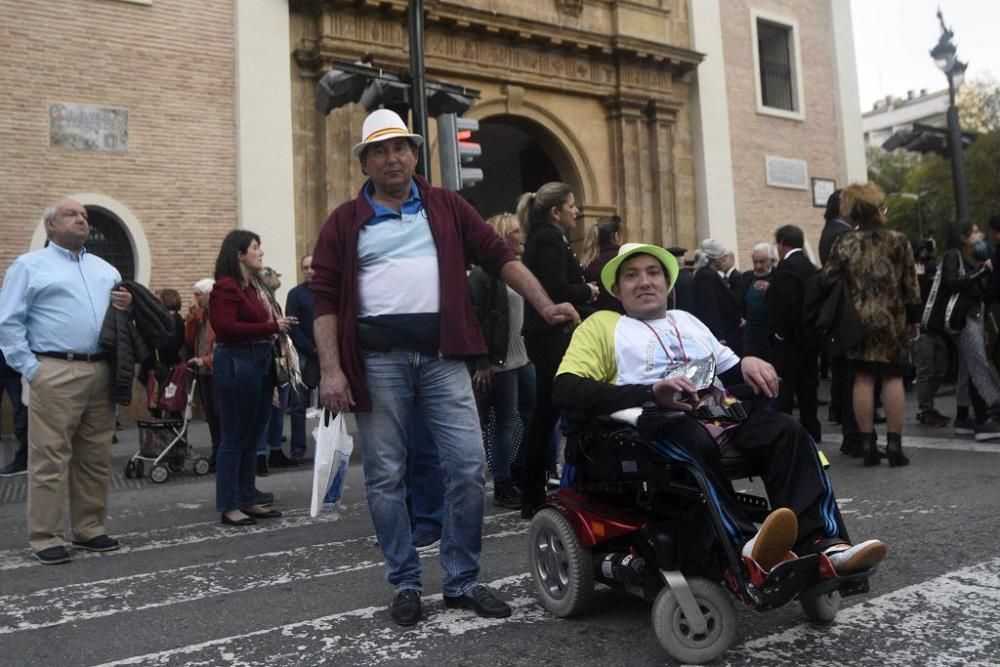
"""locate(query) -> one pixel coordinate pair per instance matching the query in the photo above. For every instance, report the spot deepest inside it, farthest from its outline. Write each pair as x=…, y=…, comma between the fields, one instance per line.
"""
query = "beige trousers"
x=70, y=425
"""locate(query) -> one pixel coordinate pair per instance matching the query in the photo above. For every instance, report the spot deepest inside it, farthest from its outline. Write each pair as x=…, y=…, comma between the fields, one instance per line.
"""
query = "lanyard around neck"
x=659, y=339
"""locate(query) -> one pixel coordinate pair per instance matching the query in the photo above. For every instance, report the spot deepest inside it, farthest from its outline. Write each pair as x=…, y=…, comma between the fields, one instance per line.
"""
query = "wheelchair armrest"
x=628, y=416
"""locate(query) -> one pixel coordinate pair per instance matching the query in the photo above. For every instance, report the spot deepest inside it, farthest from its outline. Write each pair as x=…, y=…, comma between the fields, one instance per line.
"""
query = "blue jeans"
x=270, y=436
x=513, y=397
x=299, y=400
x=441, y=389
x=424, y=479
x=243, y=385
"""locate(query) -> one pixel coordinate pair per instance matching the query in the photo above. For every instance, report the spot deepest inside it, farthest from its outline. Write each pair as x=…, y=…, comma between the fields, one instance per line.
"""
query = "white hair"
x=204, y=286
x=772, y=254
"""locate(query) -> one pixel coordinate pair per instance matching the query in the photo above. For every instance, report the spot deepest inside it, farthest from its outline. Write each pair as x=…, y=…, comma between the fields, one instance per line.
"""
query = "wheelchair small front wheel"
x=561, y=567
x=821, y=608
x=674, y=630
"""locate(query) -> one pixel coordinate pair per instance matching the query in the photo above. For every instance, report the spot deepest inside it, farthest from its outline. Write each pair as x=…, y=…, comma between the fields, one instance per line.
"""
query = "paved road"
x=186, y=590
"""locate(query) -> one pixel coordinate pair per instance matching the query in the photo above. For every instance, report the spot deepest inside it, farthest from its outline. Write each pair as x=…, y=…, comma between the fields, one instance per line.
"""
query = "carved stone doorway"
x=519, y=155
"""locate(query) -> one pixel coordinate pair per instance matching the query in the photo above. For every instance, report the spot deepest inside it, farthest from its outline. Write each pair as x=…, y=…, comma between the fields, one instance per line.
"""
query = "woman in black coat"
x=547, y=216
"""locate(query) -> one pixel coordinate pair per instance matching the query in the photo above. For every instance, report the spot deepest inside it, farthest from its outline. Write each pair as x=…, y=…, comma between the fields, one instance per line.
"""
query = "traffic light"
x=338, y=88
x=457, y=150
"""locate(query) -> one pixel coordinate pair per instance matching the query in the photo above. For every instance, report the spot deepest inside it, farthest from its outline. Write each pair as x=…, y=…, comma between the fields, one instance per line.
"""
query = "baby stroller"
x=163, y=442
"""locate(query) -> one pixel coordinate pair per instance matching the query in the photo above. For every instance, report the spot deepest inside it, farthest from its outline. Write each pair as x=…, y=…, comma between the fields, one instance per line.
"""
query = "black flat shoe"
x=245, y=521
x=269, y=514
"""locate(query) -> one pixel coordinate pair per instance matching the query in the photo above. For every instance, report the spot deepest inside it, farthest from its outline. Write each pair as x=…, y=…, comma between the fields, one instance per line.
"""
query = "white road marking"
x=945, y=621
x=169, y=586
x=355, y=637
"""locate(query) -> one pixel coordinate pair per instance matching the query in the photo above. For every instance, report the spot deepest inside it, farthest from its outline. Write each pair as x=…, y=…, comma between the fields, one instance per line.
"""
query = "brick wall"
x=171, y=65
x=761, y=209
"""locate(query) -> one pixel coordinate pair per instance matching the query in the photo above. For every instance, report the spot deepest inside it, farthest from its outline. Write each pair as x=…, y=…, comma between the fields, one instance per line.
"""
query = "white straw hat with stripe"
x=382, y=125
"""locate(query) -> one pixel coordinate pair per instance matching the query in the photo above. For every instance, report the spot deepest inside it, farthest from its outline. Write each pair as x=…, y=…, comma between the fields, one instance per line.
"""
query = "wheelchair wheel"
x=675, y=632
x=561, y=567
x=821, y=608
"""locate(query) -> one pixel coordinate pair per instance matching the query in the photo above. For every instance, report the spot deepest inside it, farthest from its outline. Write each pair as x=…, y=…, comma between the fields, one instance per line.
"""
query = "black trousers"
x=842, y=396
x=206, y=390
x=798, y=368
x=545, y=350
x=780, y=451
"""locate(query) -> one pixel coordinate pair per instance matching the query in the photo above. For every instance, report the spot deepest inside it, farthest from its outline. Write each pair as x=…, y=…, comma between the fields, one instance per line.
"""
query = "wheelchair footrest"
x=786, y=580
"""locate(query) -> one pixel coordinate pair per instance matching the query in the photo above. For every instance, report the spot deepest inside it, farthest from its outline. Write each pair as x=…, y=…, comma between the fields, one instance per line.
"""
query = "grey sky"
x=893, y=38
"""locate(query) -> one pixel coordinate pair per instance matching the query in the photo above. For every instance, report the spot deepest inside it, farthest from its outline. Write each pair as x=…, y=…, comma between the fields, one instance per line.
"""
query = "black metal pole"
x=957, y=158
x=418, y=95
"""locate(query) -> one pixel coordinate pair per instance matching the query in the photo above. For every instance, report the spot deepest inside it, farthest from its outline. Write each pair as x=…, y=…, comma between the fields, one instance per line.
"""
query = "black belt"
x=73, y=356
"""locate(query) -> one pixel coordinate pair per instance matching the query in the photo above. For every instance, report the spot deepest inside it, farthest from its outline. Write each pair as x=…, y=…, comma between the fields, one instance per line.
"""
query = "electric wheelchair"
x=628, y=517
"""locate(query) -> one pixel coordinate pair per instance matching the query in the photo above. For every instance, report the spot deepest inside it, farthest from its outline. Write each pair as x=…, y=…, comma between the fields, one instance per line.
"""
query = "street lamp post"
x=947, y=61
x=920, y=216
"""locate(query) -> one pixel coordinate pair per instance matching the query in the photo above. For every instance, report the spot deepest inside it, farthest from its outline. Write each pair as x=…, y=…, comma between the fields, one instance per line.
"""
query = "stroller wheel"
x=675, y=632
x=821, y=608
x=201, y=466
x=159, y=473
x=561, y=567
x=130, y=470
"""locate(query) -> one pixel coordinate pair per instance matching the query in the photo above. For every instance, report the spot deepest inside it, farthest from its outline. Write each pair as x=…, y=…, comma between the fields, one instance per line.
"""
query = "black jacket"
x=971, y=284
x=548, y=255
x=682, y=295
x=831, y=230
x=489, y=301
x=128, y=336
x=786, y=298
x=717, y=308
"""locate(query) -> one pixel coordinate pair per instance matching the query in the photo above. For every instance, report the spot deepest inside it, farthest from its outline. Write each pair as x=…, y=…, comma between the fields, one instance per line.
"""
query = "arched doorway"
x=519, y=155
x=109, y=241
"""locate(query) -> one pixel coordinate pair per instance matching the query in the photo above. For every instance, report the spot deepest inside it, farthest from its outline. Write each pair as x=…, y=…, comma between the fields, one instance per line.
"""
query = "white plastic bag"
x=333, y=453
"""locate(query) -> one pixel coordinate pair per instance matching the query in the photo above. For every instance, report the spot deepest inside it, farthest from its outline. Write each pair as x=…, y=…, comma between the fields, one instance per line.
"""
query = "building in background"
x=175, y=121
x=892, y=114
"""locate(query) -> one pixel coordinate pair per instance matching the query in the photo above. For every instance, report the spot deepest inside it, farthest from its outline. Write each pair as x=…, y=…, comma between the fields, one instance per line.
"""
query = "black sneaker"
x=53, y=555
x=15, y=468
x=405, y=608
x=264, y=498
x=99, y=543
x=506, y=494
x=277, y=459
x=422, y=540
x=480, y=599
x=988, y=430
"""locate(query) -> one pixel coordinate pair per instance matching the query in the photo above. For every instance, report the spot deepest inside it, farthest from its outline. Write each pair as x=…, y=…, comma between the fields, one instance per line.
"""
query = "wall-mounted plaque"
x=822, y=189
x=84, y=127
x=785, y=173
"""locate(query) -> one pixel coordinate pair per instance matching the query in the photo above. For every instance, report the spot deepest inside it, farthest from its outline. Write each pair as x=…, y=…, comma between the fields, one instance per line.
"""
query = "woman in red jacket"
x=245, y=330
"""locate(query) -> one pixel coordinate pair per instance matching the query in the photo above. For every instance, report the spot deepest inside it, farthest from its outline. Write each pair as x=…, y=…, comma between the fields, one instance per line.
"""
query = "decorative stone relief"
x=570, y=7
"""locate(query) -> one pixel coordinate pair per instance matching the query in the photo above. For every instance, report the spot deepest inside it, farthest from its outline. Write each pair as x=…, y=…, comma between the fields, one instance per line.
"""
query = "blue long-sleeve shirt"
x=53, y=301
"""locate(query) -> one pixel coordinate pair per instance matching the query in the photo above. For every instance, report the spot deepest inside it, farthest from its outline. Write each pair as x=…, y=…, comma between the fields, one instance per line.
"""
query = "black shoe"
x=264, y=498
x=424, y=540
x=269, y=514
x=262, y=469
x=245, y=521
x=53, y=555
x=405, y=608
x=99, y=543
x=300, y=458
x=894, y=451
x=480, y=599
x=869, y=449
x=506, y=494
x=17, y=467
x=277, y=459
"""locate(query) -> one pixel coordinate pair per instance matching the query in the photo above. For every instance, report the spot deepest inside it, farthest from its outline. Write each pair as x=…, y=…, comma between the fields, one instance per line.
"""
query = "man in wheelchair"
x=618, y=361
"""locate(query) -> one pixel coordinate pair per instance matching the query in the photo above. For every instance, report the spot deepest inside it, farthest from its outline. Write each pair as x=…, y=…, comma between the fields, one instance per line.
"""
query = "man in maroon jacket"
x=394, y=325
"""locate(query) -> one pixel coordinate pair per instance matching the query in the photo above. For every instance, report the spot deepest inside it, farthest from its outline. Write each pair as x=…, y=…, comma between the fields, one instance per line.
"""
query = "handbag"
x=280, y=371
x=173, y=394
x=333, y=454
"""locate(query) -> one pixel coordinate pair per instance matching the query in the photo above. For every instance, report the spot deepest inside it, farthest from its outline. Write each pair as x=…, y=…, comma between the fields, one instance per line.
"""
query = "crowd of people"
x=454, y=342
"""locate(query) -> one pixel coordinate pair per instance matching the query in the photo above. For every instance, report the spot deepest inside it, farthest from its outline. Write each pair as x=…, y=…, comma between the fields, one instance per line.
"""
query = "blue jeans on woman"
x=244, y=387
x=513, y=394
x=399, y=381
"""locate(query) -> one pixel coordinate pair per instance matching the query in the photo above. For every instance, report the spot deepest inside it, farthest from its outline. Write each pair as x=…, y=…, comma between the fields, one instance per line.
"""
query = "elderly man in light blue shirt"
x=52, y=305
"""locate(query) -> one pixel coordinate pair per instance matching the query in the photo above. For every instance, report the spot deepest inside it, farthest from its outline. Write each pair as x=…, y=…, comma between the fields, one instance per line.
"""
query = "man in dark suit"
x=682, y=295
x=795, y=355
x=300, y=304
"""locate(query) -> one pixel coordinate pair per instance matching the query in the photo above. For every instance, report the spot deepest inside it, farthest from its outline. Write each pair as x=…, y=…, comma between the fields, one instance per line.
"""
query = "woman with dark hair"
x=245, y=329
x=966, y=271
x=878, y=265
x=546, y=217
x=599, y=246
